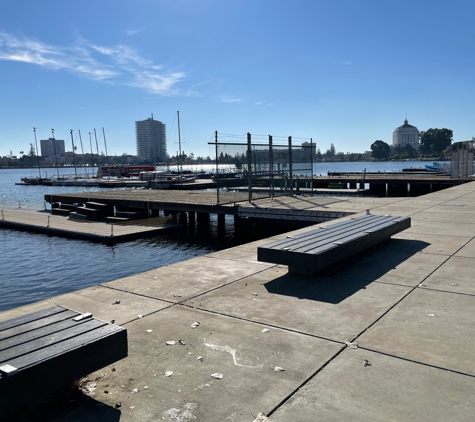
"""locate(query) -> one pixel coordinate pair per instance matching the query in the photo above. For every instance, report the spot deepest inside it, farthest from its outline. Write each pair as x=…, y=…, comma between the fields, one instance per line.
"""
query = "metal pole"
x=290, y=167
x=104, y=136
x=249, y=166
x=3, y=217
x=311, y=164
x=98, y=156
x=48, y=221
x=55, y=153
x=217, y=165
x=271, y=168
x=82, y=150
x=180, y=169
x=37, y=156
x=74, y=157
x=112, y=229
x=92, y=154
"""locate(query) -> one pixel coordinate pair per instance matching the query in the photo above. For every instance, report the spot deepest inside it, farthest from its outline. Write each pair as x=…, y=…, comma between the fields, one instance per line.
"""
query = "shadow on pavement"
x=337, y=283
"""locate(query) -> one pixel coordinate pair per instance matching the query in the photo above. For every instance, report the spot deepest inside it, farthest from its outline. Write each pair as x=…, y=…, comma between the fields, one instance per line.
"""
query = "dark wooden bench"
x=45, y=350
x=310, y=252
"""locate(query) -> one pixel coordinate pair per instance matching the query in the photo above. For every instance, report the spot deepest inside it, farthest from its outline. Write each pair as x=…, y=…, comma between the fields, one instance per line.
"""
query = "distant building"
x=151, y=138
x=406, y=134
x=51, y=147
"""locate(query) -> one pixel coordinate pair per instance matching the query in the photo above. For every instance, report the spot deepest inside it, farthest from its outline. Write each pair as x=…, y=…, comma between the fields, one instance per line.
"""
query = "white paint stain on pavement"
x=232, y=352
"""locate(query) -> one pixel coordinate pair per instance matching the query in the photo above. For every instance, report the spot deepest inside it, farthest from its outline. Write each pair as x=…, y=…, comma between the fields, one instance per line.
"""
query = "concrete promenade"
x=389, y=337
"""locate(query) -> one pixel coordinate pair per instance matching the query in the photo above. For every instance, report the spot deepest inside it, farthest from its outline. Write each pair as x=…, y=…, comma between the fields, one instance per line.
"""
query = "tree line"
x=433, y=142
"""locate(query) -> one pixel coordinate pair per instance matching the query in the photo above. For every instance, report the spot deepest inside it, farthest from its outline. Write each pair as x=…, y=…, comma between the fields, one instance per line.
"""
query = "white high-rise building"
x=406, y=134
x=151, y=138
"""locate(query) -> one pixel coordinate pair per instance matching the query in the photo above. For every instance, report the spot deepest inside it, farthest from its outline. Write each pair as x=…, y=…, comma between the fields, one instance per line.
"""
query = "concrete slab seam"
x=146, y=315
x=290, y=330
x=399, y=301
x=416, y=362
x=137, y=294
x=310, y=378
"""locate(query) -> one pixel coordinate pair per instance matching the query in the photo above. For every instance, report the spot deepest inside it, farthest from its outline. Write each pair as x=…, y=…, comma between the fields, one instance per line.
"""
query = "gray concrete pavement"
x=408, y=304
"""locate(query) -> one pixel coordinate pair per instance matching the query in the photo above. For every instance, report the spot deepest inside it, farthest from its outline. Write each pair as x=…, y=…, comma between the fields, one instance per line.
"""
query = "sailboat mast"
x=82, y=150
x=105, y=144
x=37, y=156
x=92, y=154
x=55, y=153
x=98, y=156
x=74, y=156
x=179, y=143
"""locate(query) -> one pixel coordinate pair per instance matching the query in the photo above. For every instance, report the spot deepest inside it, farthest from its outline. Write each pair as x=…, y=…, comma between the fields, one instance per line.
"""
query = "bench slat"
x=330, y=235
x=34, y=325
x=23, y=350
x=323, y=231
x=48, y=329
x=346, y=237
x=30, y=317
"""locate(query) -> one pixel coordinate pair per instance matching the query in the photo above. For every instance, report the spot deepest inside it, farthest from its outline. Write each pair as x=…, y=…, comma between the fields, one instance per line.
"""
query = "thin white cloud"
x=134, y=31
x=155, y=83
x=232, y=100
x=120, y=65
x=258, y=103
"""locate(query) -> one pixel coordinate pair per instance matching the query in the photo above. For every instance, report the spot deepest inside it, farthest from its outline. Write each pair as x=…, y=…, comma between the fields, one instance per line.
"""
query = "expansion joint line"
x=261, y=323
x=417, y=362
x=359, y=335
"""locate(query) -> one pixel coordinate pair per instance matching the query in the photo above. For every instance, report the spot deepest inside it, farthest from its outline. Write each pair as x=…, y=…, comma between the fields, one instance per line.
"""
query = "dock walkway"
x=52, y=225
x=390, y=336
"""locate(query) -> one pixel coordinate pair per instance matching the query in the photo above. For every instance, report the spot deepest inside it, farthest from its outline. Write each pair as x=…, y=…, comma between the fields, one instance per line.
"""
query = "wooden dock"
x=101, y=232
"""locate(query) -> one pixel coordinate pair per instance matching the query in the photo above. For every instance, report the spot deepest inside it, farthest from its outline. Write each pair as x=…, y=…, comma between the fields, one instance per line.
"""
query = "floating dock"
x=52, y=225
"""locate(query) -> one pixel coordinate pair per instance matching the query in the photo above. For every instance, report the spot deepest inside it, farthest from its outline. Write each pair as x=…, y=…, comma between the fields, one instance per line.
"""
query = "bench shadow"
x=73, y=408
x=87, y=410
x=337, y=283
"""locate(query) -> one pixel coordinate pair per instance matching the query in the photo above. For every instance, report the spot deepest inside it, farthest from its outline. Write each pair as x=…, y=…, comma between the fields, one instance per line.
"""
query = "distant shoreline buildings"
x=151, y=140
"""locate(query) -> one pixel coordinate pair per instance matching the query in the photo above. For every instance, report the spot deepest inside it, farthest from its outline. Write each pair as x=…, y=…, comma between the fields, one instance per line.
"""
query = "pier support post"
x=397, y=189
x=378, y=189
x=182, y=218
x=191, y=219
x=221, y=225
x=202, y=219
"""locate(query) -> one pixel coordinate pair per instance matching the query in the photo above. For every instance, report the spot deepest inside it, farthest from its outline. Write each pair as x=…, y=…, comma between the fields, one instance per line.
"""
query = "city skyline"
x=341, y=73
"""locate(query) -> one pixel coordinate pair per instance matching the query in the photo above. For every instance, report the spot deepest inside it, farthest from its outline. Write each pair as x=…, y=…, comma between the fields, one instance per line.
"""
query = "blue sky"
x=341, y=71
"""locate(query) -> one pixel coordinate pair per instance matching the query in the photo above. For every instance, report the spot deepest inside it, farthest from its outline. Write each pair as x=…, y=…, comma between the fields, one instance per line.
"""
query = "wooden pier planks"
x=50, y=349
x=312, y=251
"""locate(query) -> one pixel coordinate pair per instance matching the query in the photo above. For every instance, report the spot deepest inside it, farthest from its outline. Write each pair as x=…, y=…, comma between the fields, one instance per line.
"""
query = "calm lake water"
x=34, y=267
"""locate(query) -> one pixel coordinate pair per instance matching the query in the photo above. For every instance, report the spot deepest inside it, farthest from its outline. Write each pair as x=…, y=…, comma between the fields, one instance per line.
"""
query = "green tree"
x=435, y=140
x=410, y=151
x=380, y=150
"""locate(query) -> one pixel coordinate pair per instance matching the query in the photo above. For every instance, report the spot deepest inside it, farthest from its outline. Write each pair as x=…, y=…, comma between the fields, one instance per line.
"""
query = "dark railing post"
x=291, y=182
x=311, y=165
x=271, y=168
x=249, y=166
x=217, y=165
